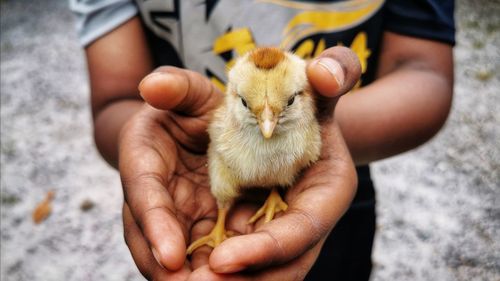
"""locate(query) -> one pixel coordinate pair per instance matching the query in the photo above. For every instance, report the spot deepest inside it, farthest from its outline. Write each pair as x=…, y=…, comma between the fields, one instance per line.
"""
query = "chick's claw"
x=216, y=236
x=213, y=239
x=274, y=204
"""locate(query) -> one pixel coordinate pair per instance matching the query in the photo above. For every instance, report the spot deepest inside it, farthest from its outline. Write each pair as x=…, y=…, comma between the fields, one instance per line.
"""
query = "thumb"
x=179, y=90
x=333, y=73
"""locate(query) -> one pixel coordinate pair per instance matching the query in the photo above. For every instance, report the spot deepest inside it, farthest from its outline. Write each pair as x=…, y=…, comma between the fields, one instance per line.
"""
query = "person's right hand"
x=162, y=165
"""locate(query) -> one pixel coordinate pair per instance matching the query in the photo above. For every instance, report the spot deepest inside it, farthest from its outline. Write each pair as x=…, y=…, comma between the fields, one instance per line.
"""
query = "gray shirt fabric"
x=95, y=18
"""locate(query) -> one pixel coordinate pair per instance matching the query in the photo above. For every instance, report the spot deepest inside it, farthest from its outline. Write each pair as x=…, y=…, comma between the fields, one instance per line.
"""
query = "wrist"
x=108, y=124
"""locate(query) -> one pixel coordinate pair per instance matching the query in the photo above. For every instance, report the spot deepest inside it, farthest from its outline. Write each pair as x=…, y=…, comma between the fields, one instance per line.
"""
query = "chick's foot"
x=216, y=236
x=274, y=204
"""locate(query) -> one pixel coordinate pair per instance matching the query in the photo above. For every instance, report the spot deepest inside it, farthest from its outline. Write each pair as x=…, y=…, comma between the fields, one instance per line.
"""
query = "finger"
x=145, y=177
x=317, y=201
x=334, y=72
x=284, y=238
x=155, y=215
x=141, y=253
x=180, y=90
x=296, y=269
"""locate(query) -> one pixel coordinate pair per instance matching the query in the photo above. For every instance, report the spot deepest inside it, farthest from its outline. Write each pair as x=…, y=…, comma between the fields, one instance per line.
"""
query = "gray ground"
x=438, y=206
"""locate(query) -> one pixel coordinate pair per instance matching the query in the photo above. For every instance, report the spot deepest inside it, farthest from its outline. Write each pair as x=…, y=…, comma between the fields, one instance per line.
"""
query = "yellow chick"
x=262, y=135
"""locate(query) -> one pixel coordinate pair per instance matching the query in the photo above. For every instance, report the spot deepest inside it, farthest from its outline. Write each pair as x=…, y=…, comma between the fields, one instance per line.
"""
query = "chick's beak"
x=267, y=121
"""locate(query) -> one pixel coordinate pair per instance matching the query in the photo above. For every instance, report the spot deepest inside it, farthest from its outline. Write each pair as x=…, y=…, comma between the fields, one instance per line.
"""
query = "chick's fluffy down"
x=239, y=155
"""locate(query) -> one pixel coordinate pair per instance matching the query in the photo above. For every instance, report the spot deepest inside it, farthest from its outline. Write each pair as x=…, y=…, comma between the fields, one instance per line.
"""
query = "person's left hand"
x=287, y=247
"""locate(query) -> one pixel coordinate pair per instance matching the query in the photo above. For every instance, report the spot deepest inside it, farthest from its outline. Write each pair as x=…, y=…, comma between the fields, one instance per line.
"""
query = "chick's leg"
x=216, y=236
x=274, y=204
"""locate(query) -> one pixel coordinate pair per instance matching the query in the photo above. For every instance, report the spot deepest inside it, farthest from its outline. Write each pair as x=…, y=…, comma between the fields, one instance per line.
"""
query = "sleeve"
x=429, y=19
x=95, y=18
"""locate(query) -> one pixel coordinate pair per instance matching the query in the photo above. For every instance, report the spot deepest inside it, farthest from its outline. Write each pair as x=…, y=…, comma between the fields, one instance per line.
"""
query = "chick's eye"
x=291, y=100
x=244, y=102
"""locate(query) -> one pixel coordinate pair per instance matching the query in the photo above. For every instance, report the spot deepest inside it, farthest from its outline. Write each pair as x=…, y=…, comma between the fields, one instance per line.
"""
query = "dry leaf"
x=87, y=205
x=42, y=211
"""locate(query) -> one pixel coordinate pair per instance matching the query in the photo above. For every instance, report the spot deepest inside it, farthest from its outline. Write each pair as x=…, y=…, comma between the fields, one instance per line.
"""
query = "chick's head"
x=268, y=89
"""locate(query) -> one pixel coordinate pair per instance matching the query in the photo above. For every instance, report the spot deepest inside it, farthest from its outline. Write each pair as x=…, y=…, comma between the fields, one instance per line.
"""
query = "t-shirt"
x=207, y=36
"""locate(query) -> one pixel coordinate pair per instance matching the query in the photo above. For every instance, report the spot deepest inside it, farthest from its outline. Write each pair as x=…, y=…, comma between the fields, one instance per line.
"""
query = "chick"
x=264, y=133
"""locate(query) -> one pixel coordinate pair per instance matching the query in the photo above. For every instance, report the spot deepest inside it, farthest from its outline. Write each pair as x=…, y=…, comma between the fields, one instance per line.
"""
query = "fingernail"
x=149, y=77
x=229, y=268
x=157, y=256
x=334, y=68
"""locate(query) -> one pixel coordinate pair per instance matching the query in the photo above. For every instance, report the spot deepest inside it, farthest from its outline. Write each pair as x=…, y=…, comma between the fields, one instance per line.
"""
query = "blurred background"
x=438, y=206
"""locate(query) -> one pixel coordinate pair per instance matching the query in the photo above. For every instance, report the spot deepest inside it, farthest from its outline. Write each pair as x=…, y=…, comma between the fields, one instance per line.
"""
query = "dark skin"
x=162, y=165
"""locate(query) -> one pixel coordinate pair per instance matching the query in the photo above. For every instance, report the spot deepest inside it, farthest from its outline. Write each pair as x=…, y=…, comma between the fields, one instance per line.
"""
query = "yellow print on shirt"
x=305, y=25
x=314, y=21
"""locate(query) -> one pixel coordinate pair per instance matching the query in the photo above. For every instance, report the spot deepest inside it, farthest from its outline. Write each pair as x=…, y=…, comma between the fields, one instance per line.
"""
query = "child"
x=402, y=100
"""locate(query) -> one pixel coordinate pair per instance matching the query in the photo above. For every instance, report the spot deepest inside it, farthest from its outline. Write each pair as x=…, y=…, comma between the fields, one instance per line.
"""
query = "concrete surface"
x=438, y=206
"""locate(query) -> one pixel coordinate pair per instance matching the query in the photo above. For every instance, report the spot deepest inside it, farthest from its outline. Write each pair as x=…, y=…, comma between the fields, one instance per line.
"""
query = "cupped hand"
x=287, y=247
x=162, y=165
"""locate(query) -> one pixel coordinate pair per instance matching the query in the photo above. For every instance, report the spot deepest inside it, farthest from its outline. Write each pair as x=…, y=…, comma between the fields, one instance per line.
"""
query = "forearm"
x=107, y=126
x=117, y=62
x=396, y=113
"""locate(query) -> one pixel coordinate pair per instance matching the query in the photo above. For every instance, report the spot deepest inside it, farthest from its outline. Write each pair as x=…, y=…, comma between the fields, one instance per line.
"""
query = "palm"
x=165, y=181
x=173, y=152
x=187, y=183
x=186, y=179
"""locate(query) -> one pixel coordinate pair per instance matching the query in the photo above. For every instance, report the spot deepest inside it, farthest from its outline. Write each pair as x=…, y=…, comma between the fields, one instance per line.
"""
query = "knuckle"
x=348, y=60
x=142, y=218
x=147, y=179
x=277, y=248
x=315, y=226
x=152, y=196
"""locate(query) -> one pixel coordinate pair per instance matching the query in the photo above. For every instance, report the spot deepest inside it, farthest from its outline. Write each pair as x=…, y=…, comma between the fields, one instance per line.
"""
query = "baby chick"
x=262, y=135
